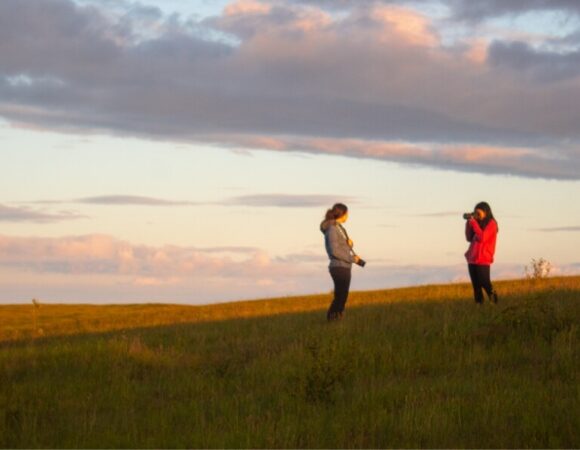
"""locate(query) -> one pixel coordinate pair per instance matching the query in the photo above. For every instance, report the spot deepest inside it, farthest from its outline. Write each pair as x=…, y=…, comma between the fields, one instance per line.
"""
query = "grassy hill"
x=415, y=367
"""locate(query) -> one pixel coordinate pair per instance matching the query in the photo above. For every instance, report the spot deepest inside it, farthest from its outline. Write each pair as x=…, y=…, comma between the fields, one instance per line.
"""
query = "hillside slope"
x=417, y=367
x=23, y=321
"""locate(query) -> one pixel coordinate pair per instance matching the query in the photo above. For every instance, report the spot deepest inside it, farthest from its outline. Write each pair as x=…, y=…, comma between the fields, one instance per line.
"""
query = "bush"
x=538, y=269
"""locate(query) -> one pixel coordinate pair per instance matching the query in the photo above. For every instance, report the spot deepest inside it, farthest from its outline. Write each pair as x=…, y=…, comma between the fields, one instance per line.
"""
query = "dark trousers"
x=480, y=280
x=341, y=278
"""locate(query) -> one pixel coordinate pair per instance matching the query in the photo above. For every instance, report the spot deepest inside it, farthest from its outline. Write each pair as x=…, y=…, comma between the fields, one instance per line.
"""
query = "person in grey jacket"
x=339, y=249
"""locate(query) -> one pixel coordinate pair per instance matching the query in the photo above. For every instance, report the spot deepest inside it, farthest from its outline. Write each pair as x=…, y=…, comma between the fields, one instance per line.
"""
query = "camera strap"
x=344, y=234
x=342, y=231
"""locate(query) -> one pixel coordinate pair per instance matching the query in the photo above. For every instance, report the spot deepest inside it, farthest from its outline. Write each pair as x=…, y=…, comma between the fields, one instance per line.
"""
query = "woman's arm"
x=468, y=231
x=483, y=235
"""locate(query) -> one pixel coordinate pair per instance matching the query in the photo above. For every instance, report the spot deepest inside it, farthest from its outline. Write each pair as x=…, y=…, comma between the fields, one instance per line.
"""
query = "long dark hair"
x=484, y=206
x=336, y=212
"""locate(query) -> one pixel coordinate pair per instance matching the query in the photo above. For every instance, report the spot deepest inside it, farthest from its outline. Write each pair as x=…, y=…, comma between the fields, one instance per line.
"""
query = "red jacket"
x=482, y=247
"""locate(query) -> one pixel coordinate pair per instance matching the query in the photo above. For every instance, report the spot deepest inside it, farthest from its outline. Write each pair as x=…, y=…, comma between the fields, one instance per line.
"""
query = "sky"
x=186, y=151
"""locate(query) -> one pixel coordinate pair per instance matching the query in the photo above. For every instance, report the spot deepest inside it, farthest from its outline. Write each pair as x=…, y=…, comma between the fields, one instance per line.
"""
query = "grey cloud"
x=131, y=200
x=572, y=39
x=79, y=69
x=440, y=214
x=481, y=9
x=572, y=229
x=80, y=33
x=463, y=9
x=544, y=66
x=21, y=214
x=289, y=201
x=256, y=200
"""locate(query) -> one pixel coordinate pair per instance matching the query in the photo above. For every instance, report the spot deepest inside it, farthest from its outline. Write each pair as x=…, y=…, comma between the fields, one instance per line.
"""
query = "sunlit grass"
x=417, y=367
x=48, y=319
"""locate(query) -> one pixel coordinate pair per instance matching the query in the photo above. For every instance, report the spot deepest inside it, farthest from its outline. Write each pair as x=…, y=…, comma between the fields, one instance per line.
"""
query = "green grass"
x=417, y=367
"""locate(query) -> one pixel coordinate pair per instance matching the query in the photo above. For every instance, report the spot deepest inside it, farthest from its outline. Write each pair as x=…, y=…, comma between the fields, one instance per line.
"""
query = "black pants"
x=480, y=280
x=341, y=278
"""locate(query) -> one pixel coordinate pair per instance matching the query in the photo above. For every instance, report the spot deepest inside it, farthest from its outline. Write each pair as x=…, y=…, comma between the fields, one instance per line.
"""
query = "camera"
x=468, y=216
x=361, y=262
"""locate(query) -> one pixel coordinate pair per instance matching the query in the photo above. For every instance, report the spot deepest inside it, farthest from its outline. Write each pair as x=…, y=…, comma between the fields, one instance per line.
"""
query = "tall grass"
x=420, y=367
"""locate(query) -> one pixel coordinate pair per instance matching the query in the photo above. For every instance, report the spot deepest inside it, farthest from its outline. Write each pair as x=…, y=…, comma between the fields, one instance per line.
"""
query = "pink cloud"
x=477, y=52
x=486, y=155
x=104, y=255
x=101, y=268
x=372, y=71
x=495, y=159
x=246, y=7
x=406, y=25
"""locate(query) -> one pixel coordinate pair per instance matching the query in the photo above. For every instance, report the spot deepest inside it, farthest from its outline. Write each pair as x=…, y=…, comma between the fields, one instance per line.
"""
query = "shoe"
x=494, y=297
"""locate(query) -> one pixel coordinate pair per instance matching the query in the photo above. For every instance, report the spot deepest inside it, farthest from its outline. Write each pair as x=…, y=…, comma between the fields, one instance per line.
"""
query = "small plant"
x=538, y=269
x=323, y=373
x=35, y=308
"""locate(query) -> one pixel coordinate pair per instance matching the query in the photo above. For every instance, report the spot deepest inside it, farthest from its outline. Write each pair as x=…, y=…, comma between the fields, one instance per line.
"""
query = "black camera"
x=468, y=216
x=361, y=262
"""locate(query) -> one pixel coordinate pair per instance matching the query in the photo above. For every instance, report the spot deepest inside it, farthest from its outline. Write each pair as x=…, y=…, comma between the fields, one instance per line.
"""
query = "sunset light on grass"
x=185, y=151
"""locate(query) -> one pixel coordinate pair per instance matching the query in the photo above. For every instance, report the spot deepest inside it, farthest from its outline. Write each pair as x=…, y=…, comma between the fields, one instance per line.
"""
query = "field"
x=415, y=367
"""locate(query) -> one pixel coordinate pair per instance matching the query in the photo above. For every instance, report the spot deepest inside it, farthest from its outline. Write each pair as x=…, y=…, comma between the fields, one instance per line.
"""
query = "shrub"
x=538, y=269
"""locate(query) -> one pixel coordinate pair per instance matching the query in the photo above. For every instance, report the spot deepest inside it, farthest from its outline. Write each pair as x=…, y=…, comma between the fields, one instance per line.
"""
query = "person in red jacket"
x=481, y=231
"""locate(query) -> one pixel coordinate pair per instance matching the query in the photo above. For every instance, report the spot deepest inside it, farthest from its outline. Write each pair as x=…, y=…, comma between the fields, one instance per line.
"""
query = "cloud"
x=256, y=200
x=21, y=214
x=130, y=200
x=378, y=73
x=104, y=255
x=571, y=229
x=538, y=65
x=440, y=214
x=300, y=258
x=521, y=161
x=101, y=268
x=230, y=249
x=468, y=9
x=289, y=201
x=245, y=8
x=463, y=9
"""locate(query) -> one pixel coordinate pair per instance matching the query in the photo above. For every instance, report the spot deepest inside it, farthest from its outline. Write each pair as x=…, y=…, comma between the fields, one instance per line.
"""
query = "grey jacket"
x=336, y=243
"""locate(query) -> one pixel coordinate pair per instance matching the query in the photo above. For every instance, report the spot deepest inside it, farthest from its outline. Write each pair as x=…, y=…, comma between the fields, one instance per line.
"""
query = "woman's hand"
x=356, y=259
